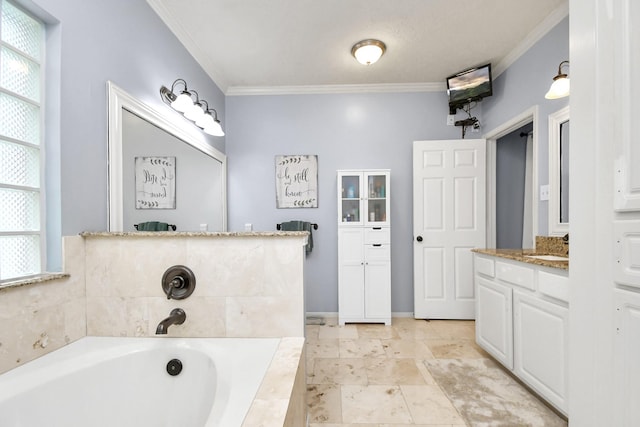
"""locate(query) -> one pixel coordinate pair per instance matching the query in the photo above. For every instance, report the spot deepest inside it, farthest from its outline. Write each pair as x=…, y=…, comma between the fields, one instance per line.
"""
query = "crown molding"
x=187, y=41
x=532, y=38
x=335, y=89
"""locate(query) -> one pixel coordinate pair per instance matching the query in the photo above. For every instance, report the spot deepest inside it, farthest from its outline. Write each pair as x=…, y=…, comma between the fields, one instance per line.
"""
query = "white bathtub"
x=100, y=381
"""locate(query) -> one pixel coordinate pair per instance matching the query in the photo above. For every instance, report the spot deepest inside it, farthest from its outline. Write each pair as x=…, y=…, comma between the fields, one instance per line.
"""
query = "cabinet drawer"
x=485, y=266
x=377, y=252
x=377, y=235
x=554, y=285
x=515, y=274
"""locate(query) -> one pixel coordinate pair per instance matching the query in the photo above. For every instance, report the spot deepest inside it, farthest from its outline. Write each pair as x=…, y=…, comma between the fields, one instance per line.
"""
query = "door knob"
x=419, y=238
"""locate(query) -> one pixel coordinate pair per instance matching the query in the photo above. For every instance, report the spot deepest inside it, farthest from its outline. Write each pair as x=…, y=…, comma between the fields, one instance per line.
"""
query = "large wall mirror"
x=139, y=138
x=559, y=138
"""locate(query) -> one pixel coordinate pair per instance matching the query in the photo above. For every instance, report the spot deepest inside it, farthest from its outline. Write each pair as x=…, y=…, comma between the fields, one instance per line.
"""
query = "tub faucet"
x=176, y=317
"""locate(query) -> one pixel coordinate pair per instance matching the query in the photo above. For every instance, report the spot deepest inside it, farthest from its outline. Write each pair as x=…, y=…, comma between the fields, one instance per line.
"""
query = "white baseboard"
x=334, y=314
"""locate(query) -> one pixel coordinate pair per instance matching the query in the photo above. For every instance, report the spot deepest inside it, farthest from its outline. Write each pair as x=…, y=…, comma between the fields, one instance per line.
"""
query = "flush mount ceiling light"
x=368, y=51
x=560, y=86
x=197, y=111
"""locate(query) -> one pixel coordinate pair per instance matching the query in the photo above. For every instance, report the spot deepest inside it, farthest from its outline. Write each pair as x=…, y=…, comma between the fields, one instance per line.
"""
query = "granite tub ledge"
x=522, y=256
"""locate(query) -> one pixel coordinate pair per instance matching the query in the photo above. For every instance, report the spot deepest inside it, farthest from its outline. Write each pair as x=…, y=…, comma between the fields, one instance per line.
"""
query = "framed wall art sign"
x=155, y=182
x=297, y=181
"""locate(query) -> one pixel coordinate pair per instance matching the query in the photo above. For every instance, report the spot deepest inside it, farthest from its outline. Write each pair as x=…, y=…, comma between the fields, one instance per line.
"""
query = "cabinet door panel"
x=351, y=299
x=626, y=355
x=540, y=346
x=494, y=323
x=377, y=290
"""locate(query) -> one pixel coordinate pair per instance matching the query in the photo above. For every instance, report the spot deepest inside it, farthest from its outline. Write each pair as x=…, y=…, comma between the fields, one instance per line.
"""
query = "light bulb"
x=195, y=112
x=183, y=102
x=559, y=88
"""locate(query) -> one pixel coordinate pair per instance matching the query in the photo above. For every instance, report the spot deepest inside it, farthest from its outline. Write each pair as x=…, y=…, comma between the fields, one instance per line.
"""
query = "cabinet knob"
x=419, y=238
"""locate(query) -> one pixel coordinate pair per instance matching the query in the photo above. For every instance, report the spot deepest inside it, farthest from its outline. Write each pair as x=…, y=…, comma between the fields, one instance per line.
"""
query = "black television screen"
x=469, y=85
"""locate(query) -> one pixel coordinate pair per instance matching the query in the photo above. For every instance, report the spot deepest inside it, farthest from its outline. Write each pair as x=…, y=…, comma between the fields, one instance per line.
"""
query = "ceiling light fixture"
x=368, y=51
x=560, y=86
x=192, y=110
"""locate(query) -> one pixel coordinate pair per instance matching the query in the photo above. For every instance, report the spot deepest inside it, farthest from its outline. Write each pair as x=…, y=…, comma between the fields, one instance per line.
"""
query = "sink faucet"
x=176, y=317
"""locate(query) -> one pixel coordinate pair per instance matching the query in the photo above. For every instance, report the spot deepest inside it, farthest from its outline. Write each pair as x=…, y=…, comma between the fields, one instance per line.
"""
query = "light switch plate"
x=544, y=192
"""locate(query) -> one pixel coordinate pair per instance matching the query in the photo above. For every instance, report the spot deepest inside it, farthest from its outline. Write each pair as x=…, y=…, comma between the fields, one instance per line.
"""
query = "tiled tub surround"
x=248, y=285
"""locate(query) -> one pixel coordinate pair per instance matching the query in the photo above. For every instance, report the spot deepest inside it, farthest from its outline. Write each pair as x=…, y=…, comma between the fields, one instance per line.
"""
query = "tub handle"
x=178, y=282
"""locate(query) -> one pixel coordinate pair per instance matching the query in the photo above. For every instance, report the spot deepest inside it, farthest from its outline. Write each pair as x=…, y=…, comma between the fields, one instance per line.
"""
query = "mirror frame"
x=119, y=100
x=556, y=228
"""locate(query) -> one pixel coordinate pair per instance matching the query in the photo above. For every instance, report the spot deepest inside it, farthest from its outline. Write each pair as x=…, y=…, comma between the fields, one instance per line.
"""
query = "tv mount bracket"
x=470, y=121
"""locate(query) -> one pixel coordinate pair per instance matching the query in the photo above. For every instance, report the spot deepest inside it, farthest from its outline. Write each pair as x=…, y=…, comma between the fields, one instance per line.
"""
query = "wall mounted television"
x=469, y=85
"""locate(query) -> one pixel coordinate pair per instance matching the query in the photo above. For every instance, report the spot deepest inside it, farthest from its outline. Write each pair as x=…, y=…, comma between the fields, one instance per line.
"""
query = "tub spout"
x=176, y=317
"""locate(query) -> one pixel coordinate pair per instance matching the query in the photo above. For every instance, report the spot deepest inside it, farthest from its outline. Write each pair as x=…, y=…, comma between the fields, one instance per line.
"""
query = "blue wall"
x=346, y=131
x=365, y=131
x=522, y=86
x=124, y=41
x=95, y=41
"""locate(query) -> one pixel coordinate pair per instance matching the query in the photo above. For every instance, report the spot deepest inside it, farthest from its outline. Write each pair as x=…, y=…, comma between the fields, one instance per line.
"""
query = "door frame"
x=529, y=115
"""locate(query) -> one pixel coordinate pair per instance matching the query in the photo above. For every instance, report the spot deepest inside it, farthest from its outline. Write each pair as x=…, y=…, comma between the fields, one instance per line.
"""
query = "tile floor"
x=370, y=375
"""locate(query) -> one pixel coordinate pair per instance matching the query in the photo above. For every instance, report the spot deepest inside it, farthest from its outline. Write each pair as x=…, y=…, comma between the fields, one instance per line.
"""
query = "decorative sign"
x=297, y=181
x=155, y=182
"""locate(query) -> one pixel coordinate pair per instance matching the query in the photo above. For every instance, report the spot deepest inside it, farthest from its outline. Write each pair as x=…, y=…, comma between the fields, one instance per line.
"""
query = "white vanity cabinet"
x=364, y=247
x=522, y=320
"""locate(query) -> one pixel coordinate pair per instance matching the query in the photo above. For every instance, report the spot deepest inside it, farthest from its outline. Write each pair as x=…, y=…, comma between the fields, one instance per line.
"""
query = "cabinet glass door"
x=377, y=198
x=350, y=200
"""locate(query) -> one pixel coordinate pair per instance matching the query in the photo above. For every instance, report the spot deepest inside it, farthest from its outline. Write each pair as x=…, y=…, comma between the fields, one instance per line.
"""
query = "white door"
x=448, y=221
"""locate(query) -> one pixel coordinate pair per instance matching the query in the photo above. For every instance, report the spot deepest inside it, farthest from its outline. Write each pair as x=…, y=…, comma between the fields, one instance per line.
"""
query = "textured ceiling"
x=278, y=45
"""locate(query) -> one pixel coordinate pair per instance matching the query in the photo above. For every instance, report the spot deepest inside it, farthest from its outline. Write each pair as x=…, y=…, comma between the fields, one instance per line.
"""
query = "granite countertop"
x=194, y=234
x=521, y=255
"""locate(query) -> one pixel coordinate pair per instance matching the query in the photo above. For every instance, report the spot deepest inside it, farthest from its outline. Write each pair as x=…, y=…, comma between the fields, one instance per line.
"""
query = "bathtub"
x=103, y=381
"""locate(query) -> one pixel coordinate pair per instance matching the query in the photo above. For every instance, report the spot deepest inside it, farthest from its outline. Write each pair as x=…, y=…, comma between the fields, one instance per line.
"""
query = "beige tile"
x=422, y=425
x=453, y=349
x=264, y=316
x=393, y=371
x=266, y=413
x=429, y=405
x=364, y=348
x=426, y=375
x=379, y=331
x=408, y=347
x=417, y=329
x=311, y=332
x=452, y=329
x=329, y=348
x=352, y=425
x=339, y=371
x=324, y=403
x=374, y=403
x=335, y=331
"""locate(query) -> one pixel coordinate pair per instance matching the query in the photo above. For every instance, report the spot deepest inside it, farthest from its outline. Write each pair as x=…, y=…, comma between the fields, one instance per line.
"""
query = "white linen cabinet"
x=364, y=246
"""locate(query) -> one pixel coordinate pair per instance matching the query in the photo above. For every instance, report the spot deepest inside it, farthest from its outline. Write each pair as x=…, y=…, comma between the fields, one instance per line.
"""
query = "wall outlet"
x=203, y=227
x=248, y=227
x=544, y=192
x=451, y=120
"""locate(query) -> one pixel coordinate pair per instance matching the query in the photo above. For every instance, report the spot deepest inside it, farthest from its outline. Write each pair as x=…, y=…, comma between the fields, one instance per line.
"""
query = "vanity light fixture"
x=560, y=86
x=368, y=51
x=192, y=110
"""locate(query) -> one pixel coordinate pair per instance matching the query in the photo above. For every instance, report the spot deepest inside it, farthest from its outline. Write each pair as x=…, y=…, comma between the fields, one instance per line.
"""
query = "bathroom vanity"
x=522, y=317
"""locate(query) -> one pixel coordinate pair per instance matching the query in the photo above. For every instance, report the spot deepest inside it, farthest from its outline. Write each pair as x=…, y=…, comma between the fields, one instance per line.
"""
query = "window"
x=22, y=245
